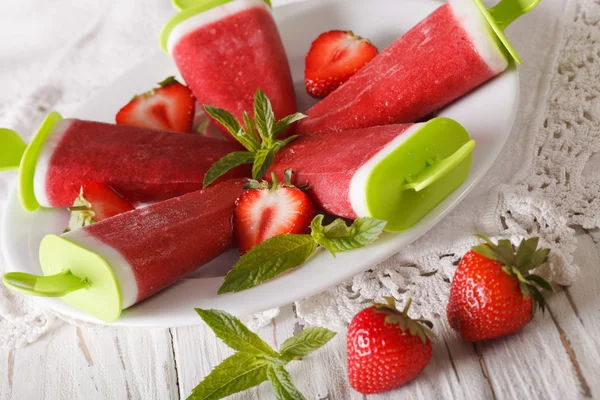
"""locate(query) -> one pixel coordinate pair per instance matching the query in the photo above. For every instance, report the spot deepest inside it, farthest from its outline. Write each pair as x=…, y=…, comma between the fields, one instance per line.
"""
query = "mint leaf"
x=272, y=257
x=235, y=334
x=279, y=144
x=250, y=128
x=282, y=124
x=282, y=384
x=237, y=373
x=263, y=160
x=225, y=118
x=305, y=342
x=264, y=116
x=225, y=164
x=338, y=237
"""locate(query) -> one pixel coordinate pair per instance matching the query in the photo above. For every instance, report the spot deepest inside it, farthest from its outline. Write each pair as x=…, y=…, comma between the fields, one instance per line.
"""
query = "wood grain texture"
x=91, y=363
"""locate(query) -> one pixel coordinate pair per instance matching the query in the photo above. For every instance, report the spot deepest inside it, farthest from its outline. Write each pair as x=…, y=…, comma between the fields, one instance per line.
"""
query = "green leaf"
x=539, y=257
x=541, y=282
x=338, y=239
x=170, y=80
x=269, y=3
x=235, y=334
x=250, y=128
x=267, y=260
x=237, y=373
x=524, y=253
x=282, y=384
x=263, y=160
x=225, y=118
x=284, y=123
x=485, y=251
x=279, y=144
x=227, y=163
x=506, y=252
x=538, y=300
x=264, y=116
x=250, y=143
x=305, y=342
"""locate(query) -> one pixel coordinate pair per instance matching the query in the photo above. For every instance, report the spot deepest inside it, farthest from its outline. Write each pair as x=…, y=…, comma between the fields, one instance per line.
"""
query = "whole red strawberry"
x=493, y=292
x=386, y=348
x=265, y=210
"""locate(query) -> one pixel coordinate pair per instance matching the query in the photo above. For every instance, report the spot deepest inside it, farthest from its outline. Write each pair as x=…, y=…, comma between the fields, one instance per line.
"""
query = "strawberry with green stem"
x=493, y=292
x=260, y=137
x=284, y=252
x=386, y=348
x=268, y=209
x=96, y=202
x=254, y=361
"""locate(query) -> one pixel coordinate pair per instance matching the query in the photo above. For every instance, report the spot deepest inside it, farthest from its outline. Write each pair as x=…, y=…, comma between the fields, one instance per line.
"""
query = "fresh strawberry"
x=386, y=348
x=333, y=58
x=96, y=202
x=169, y=107
x=493, y=292
x=265, y=210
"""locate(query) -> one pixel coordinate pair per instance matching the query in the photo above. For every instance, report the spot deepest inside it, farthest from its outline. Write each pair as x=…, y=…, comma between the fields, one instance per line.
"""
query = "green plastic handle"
x=57, y=285
x=187, y=9
x=184, y=4
x=12, y=148
x=507, y=11
x=437, y=169
x=502, y=15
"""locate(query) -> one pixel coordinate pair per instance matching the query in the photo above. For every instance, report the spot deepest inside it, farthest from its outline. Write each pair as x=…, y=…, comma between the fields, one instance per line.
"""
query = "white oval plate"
x=487, y=113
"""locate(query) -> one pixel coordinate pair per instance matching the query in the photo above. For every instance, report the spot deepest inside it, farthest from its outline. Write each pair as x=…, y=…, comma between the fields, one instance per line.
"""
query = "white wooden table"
x=557, y=356
x=111, y=363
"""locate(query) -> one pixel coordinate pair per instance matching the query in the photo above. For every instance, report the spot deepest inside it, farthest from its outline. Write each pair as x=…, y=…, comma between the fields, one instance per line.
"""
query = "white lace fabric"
x=546, y=180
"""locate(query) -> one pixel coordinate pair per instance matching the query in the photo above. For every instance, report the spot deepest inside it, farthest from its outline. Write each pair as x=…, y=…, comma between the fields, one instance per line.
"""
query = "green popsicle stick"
x=421, y=172
x=438, y=169
x=502, y=15
x=29, y=160
x=12, y=148
x=57, y=285
x=188, y=8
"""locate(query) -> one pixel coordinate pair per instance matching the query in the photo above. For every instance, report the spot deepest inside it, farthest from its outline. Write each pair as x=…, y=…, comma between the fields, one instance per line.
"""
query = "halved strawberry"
x=169, y=107
x=96, y=201
x=333, y=58
x=265, y=210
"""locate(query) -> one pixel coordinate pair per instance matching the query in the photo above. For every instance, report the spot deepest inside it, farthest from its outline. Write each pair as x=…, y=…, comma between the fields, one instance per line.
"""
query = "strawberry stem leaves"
x=258, y=136
x=255, y=361
x=416, y=327
x=519, y=264
x=283, y=252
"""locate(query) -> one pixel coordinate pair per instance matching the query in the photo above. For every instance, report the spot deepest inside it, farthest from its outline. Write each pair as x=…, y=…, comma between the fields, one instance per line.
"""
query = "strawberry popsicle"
x=227, y=52
x=447, y=55
x=116, y=263
x=143, y=165
x=396, y=173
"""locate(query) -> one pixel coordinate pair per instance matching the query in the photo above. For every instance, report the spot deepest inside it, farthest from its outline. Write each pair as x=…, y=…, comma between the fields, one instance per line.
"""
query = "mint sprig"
x=253, y=364
x=283, y=252
x=258, y=136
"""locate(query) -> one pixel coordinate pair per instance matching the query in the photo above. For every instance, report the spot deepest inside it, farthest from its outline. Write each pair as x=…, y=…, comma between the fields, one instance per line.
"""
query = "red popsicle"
x=227, y=52
x=447, y=55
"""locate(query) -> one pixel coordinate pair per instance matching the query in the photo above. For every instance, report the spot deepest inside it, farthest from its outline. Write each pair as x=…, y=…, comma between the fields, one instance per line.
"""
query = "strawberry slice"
x=333, y=58
x=265, y=210
x=96, y=201
x=169, y=107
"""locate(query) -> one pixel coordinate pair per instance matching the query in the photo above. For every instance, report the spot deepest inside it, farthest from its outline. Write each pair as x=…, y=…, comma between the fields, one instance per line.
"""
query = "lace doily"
x=546, y=180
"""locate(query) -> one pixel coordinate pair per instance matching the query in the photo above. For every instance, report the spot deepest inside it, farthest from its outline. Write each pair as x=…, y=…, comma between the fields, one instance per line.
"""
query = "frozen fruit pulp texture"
x=143, y=165
x=160, y=243
x=246, y=53
x=428, y=67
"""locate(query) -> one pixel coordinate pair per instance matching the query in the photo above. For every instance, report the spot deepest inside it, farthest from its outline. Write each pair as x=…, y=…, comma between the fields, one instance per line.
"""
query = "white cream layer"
x=120, y=266
x=41, y=166
x=210, y=16
x=358, y=184
x=481, y=34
